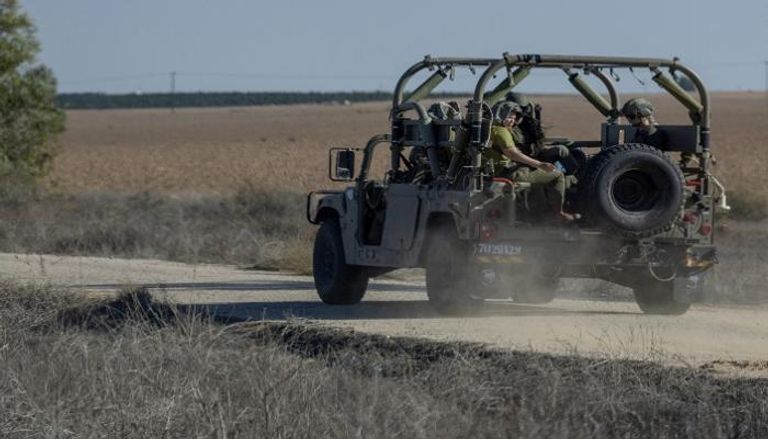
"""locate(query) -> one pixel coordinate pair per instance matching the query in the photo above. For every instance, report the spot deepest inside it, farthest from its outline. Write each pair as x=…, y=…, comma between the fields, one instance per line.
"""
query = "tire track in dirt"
x=721, y=339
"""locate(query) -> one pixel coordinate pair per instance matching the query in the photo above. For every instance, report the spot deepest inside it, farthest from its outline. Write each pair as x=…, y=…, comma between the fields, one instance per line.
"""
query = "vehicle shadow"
x=266, y=285
x=368, y=309
x=373, y=310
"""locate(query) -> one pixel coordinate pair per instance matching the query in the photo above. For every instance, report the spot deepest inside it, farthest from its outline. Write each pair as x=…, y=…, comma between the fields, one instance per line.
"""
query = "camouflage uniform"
x=553, y=183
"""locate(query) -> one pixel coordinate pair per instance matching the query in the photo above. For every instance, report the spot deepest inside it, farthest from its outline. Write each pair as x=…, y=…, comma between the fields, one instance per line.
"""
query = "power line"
x=766, y=80
x=122, y=78
x=285, y=75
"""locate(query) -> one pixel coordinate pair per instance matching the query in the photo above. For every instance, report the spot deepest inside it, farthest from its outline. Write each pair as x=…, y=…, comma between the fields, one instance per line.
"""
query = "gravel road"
x=614, y=328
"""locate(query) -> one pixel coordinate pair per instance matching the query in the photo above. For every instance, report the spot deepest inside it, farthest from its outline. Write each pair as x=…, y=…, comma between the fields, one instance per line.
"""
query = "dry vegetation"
x=134, y=368
x=285, y=147
x=248, y=227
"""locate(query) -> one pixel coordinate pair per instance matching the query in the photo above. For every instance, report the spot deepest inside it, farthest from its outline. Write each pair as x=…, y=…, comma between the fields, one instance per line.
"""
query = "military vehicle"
x=648, y=222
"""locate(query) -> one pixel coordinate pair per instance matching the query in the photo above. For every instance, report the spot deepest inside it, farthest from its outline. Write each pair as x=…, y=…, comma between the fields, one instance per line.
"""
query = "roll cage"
x=405, y=131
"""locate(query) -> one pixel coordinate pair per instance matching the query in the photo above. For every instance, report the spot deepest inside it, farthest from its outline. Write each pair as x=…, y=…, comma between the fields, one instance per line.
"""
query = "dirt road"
x=608, y=328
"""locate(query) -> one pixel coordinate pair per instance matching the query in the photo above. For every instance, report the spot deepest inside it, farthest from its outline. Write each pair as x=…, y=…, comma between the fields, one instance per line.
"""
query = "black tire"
x=633, y=190
x=447, y=286
x=655, y=297
x=537, y=291
x=337, y=283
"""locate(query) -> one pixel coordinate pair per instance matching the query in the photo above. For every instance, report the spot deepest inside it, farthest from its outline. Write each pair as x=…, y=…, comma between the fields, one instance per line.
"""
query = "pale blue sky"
x=301, y=45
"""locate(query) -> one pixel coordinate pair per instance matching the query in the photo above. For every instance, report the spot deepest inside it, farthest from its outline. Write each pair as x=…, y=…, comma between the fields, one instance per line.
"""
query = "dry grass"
x=285, y=147
x=247, y=228
x=119, y=371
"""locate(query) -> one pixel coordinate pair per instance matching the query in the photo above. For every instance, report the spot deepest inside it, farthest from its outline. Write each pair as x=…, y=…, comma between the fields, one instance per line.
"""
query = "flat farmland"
x=219, y=150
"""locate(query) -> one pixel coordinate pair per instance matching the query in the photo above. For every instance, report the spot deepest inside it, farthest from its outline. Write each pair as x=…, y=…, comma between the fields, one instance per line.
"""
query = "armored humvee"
x=647, y=221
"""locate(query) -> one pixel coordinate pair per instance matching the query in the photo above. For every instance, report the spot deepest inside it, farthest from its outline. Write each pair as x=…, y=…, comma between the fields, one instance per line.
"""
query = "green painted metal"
x=427, y=86
x=589, y=93
x=507, y=85
x=681, y=95
x=612, y=93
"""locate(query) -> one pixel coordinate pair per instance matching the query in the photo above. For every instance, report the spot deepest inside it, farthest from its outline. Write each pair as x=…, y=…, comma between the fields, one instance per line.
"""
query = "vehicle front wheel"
x=337, y=283
x=656, y=297
x=447, y=287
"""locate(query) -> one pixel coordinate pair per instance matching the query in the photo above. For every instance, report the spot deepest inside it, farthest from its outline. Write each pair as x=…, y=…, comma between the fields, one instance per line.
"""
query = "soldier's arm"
x=509, y=149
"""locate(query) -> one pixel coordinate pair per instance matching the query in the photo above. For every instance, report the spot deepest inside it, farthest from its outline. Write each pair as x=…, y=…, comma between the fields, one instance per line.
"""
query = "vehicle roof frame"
x=699, y=111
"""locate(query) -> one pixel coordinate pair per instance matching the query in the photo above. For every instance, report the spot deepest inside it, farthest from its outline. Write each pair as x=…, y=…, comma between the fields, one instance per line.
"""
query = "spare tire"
x=632, y=189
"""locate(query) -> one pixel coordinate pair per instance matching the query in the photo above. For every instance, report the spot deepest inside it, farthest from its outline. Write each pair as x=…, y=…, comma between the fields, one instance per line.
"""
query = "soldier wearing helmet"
x=529, y=136
x=639, y=114
x=507, y=161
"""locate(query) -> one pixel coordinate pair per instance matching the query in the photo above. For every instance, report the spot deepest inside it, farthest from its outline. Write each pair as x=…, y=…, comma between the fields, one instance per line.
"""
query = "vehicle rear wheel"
x=337, y=283
x=447, y=286
x=655, y=297
x=632, y=189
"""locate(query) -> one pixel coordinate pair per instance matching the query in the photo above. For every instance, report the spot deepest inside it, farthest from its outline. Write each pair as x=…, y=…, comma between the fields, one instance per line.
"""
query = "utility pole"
x=766, y=81
x=173, y=91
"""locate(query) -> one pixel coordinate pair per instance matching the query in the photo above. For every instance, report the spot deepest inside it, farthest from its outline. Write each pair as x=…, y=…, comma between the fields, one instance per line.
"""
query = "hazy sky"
x=252, y=45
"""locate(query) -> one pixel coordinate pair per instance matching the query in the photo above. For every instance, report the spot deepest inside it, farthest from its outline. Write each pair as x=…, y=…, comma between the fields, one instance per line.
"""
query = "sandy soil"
x=721, y=339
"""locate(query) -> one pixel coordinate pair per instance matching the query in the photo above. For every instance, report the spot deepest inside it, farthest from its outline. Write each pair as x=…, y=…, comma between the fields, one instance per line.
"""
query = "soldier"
x=639, y=114
x=529, y=136
x=508, y=161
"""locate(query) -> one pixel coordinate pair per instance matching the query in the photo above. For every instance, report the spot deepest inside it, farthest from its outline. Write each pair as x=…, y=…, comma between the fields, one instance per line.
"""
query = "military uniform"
x=553, y=183
x=637, y=108
x=652, y=136
x=535, y=149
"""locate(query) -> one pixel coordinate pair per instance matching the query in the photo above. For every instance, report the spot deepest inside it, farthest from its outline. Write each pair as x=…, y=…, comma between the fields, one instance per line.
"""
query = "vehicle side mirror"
x=343, y=168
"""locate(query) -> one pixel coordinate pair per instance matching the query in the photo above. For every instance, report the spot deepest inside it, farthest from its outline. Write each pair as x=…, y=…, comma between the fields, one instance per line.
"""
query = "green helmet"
x=503, y=109
x=637, y=107
x=518, y=99
x=529, y=108
x=444, y=111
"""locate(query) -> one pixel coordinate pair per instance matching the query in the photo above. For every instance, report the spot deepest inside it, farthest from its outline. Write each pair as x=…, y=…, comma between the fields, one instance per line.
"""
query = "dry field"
x=135, y=368
x=221, y=150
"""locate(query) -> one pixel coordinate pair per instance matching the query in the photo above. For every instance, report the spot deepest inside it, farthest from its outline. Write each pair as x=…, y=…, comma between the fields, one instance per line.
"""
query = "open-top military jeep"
x=648, y=221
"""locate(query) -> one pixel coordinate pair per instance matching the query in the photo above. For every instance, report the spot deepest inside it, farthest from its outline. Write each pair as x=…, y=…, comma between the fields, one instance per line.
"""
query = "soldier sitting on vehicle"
x=508, y=161
x=529, y=137
x=639, y=112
